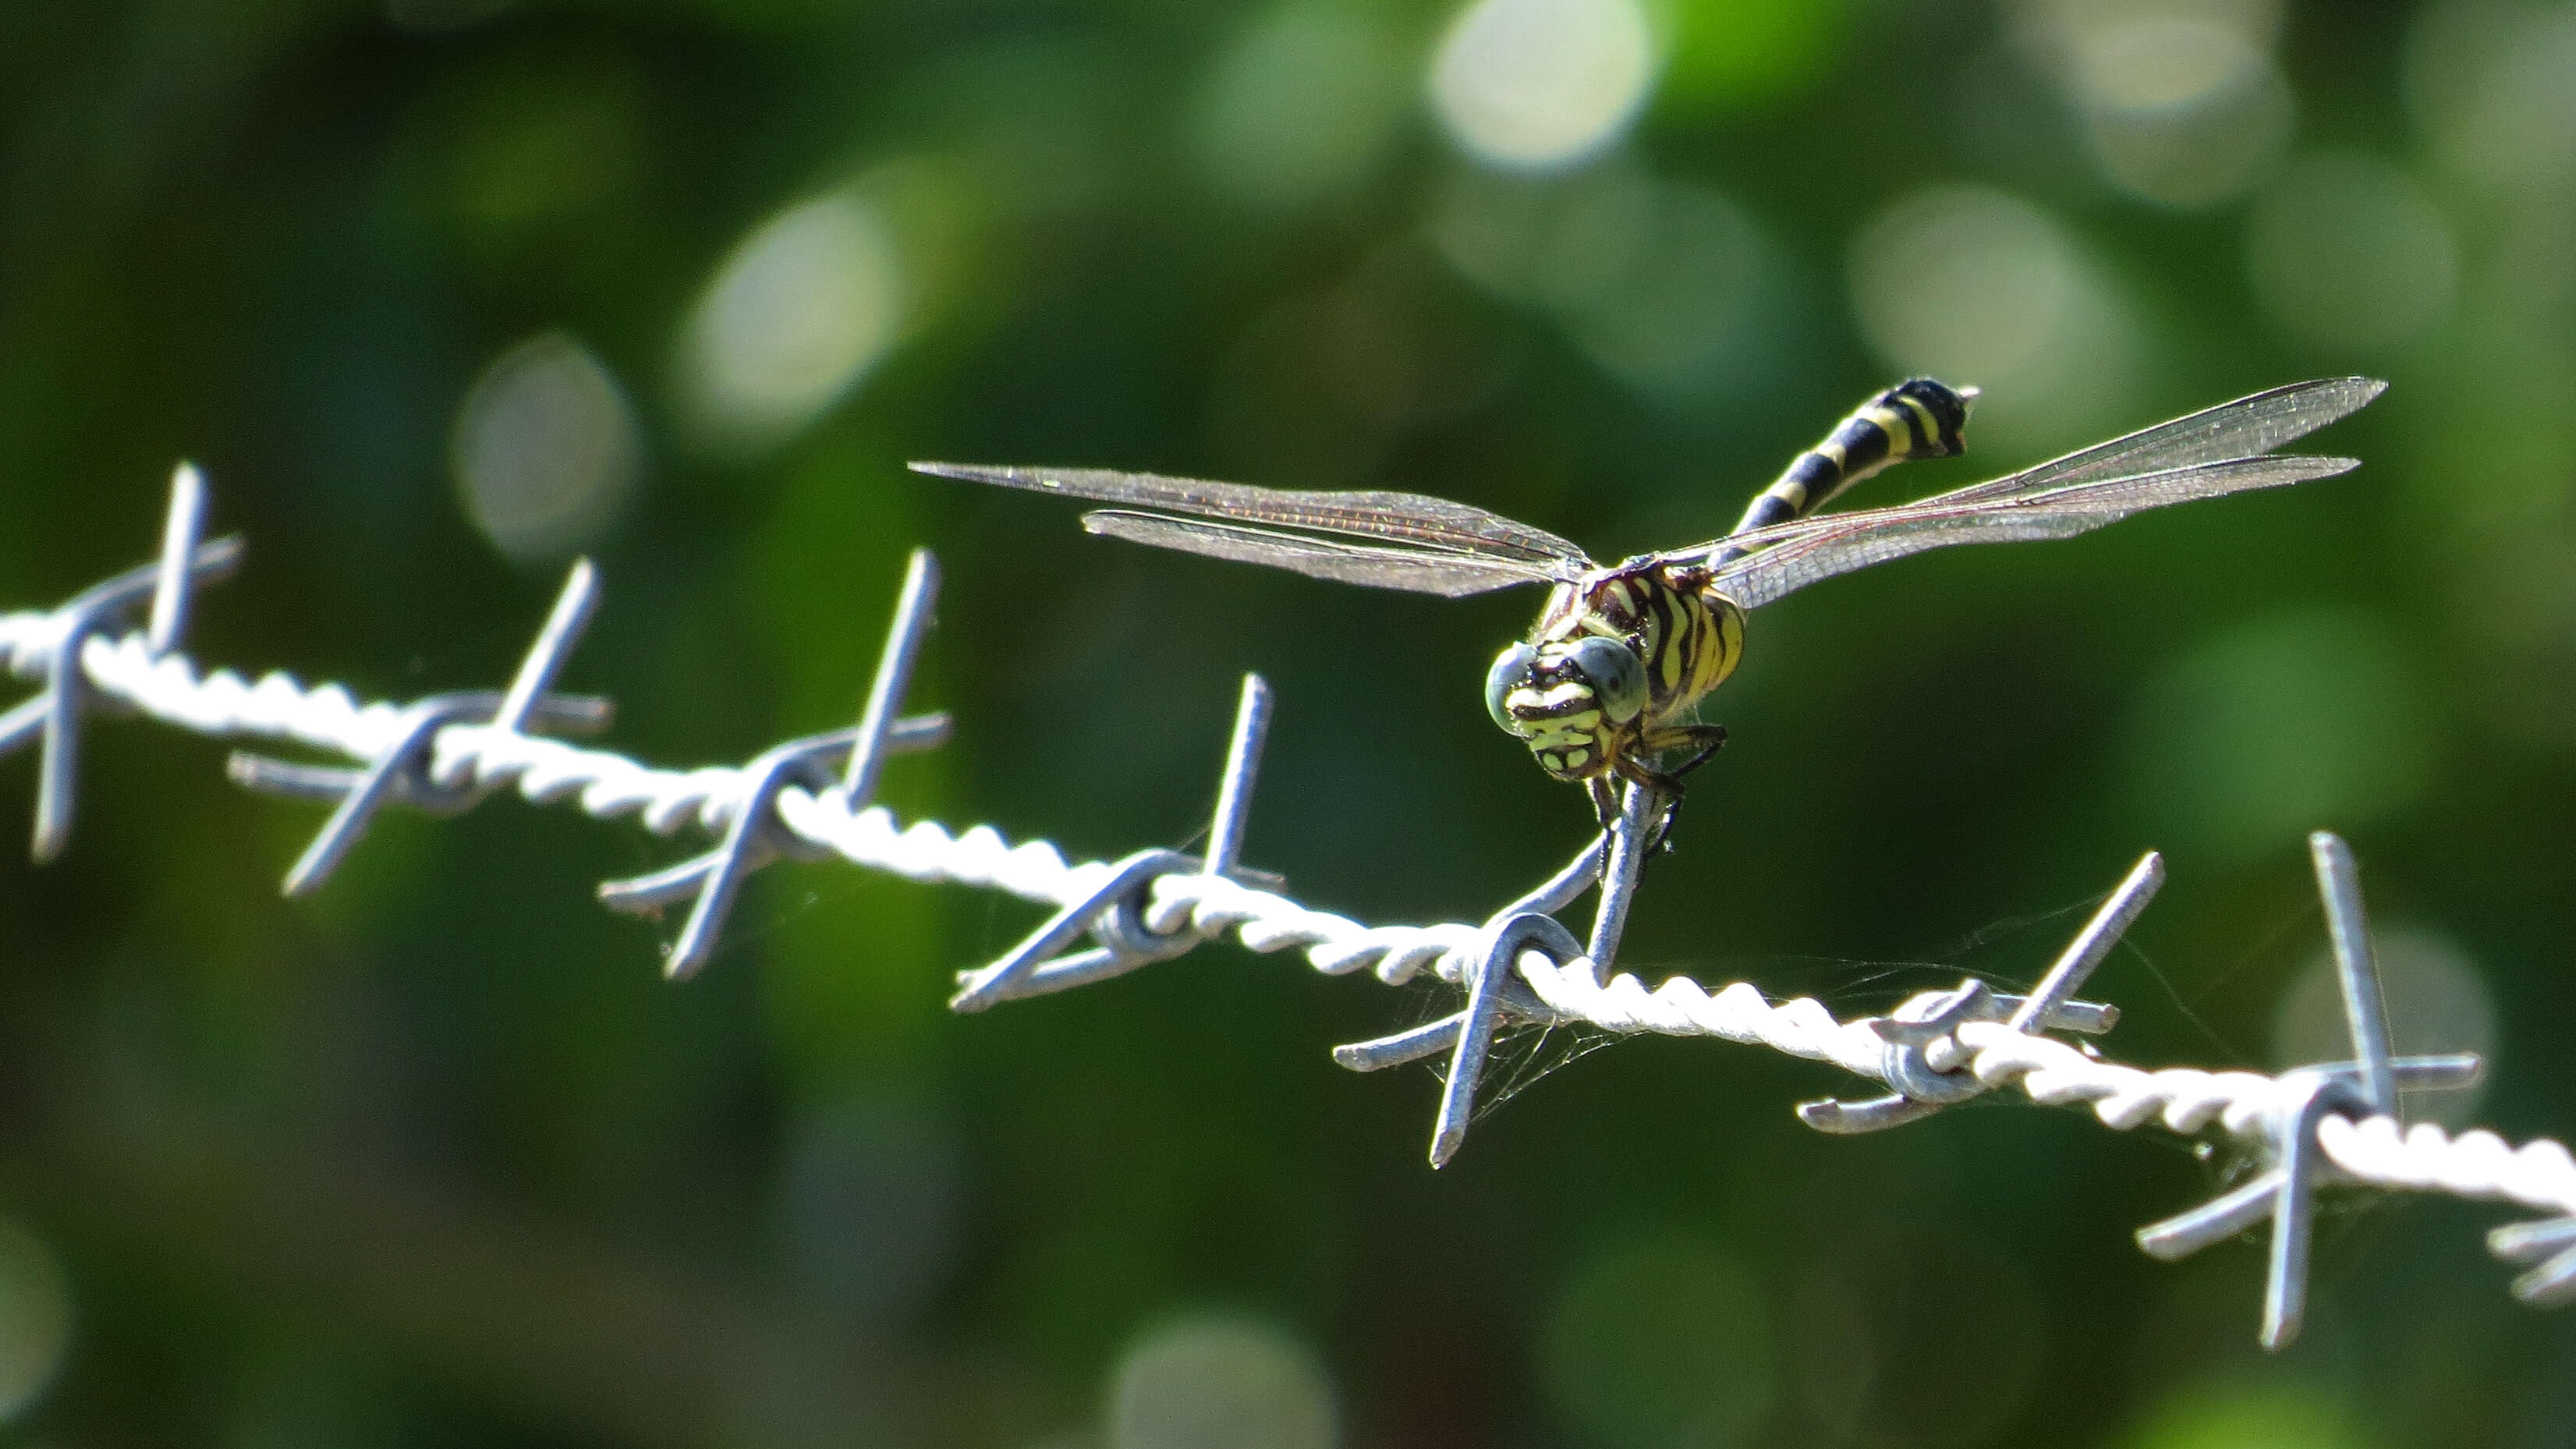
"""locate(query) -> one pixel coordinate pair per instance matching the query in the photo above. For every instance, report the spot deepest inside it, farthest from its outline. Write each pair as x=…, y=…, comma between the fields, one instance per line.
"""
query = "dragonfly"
x=1608, y=684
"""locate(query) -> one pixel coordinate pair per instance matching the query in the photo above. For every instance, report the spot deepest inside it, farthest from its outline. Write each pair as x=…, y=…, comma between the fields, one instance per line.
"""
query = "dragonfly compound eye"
x=1511, y=670
x=1618, y=680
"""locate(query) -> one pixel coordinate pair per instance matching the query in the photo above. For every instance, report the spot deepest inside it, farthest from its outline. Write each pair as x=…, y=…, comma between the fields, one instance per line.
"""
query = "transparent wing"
x=1452, y=575
x=1794, y=555
x=2239, y=429
x=1433, y=523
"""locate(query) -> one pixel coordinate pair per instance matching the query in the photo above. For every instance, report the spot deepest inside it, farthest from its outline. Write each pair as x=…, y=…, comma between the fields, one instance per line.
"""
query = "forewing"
x=1421, y=572
x=1405, y=517
x=1795, y=555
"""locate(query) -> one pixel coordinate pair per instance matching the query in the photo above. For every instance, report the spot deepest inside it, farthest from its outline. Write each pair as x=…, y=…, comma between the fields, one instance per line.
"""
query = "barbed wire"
x=2328, y=1125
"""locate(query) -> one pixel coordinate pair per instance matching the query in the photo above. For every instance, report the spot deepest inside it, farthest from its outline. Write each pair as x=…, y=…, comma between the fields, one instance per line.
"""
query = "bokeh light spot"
x=1733, y=54
x=2178, y=101
x=1684, y=319
x=1539, y=84
x=1659, y=1341
x=2202, y=119
x=545, y=449
x=2348, y=253
x=2298, y=720
x=1669, y=287
x=2488, y=81
x=2273, y=1414
x=1220, y=1383
x=1301, y=106
x=2437, y=1001
x=793, y=320
x=1978, y=287
x=35, y=1318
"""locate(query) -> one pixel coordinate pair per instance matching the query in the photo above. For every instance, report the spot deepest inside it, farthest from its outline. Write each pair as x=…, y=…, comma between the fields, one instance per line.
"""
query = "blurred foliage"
x=442, y=291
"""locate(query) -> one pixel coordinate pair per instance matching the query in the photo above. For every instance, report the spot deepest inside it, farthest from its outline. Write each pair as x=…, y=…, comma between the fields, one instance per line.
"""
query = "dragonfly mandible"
x=1608, y=683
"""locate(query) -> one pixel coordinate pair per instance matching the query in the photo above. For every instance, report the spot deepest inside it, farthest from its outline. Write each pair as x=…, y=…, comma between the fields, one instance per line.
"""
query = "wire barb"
x=754, y=836
x=1487, y=993
x=2550, y=1244
x=56, y=711
x=1112, y=910
x=400, y=774
x=172, y=587
x=2356, y=968
x=1923, y=1052
x=913, y=614
x=574, y=605
x=401, y=771
x=2366, y=1087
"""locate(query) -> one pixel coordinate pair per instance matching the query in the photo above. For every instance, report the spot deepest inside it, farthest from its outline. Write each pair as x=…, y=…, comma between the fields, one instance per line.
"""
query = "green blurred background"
x=442, y=292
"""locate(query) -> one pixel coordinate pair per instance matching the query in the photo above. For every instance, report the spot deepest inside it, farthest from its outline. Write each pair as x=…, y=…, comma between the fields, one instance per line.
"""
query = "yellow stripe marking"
x=1892, y=423
x=1931, y=427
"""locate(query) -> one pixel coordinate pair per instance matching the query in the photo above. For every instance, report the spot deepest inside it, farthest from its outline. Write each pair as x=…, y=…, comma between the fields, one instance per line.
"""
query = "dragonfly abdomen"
x=1917, y=418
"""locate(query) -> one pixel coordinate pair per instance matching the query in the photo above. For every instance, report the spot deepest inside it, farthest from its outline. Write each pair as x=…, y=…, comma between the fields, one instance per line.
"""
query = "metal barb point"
x=400, y=772
x=545, y=659
x=904, y=634
x=749, y=842
x=171, y=587
x=55, y=712
x=2285, y=1274
x=2549, y=1245
x=1242, y=766
x=2356, y=969
x=1489, y=979
x=2093, y=944
x=1427, y=1040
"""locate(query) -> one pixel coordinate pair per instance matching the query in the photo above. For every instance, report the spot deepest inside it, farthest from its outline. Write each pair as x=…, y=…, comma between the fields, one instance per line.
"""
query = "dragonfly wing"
x=1795, y=555
x=1404, y=517
x=1422, y=572
x=2239, y=429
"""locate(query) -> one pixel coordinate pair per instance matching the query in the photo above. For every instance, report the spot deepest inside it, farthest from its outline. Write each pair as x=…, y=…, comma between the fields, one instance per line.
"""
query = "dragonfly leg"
x=1605, y=801
x=1703, y=740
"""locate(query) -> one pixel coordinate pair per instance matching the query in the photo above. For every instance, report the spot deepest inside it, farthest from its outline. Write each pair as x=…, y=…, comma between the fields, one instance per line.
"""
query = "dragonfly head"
x=1567, y=699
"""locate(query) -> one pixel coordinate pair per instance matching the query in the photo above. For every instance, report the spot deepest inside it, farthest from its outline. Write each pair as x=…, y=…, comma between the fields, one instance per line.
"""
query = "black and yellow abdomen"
x=1917, y=418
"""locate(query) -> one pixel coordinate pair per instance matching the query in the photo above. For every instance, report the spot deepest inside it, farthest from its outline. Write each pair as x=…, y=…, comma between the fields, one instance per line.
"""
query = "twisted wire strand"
x=2374, y=1151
